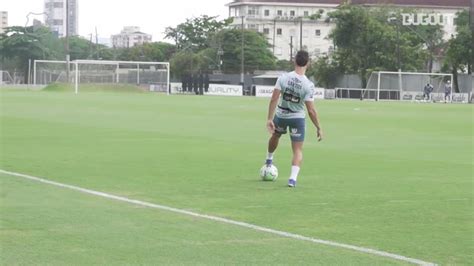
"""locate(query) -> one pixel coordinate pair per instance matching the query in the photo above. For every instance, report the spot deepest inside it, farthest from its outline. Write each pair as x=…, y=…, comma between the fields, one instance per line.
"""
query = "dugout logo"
x=427, y=19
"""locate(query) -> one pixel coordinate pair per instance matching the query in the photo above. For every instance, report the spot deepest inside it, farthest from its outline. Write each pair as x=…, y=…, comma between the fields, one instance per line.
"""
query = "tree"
x=155, y=51
x=284, y=65
x=366, y=42
x=256, y=51
x=459, y=55
x=80, y=48
x=187, y=62
x=19, y=44
x=432, y=37
x=325, y=71
x=195, y=33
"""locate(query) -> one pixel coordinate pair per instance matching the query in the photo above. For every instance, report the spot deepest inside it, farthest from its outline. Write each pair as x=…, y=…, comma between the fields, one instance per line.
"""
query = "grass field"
x=396, y=177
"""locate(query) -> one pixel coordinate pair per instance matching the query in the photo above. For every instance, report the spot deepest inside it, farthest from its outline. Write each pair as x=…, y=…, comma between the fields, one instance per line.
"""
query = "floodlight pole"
x=378, y=87
x=301, y=33
x=76, y=78
x=67, y=41
x=29, y=73
x=274, y=34
x=34, y=72
x=291, y=48
x=138, y=74
x=399, y=60
x=242, y=75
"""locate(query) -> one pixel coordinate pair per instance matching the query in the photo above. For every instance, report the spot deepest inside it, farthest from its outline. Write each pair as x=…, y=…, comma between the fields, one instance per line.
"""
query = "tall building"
x=3, y=21
x=55, y=16
x=290, y=25
x=129, y=37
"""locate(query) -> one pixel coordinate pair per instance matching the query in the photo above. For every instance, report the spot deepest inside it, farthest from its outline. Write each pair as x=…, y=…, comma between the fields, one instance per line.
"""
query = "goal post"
x=148, y=76
x=151, y=76
x=49, y=71
x=5, y=78
x=408, y=86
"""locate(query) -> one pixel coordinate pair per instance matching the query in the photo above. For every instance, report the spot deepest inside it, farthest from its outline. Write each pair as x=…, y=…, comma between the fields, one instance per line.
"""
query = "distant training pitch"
x=395, y=177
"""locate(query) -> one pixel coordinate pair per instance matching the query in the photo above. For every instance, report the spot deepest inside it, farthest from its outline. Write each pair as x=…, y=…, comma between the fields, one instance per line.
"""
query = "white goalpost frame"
x=2, y=72
x=44, y=61
x=399, y=73
x=77, y=63
x=117, y=64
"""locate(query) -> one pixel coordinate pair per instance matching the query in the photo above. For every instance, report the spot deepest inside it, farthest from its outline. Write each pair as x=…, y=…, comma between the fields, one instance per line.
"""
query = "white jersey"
x=295, y=91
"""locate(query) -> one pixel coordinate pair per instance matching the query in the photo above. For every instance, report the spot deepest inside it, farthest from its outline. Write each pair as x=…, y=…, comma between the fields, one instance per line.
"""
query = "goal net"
x=5, y=78
x=47, y=71
x=408, y=86
x=147, y=76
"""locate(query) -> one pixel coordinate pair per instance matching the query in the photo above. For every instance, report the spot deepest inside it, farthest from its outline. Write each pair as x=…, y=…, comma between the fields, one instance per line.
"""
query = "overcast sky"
x=111, y=15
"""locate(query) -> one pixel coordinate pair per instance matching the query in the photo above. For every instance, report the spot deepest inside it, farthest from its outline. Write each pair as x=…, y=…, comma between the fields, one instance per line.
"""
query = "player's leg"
x=297, y=131
x=297, y=147
x=280, y=128
x=272, y=146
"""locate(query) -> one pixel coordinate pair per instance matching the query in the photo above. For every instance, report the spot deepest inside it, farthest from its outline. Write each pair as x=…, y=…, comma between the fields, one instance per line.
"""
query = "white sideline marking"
x=224, y=220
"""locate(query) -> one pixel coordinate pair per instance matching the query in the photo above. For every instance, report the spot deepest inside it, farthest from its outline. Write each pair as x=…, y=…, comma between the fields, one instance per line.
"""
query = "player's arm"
x=271, y=110
x=313, y=114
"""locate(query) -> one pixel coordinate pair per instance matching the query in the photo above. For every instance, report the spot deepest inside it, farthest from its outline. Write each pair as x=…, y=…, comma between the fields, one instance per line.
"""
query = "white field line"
x=224, y=220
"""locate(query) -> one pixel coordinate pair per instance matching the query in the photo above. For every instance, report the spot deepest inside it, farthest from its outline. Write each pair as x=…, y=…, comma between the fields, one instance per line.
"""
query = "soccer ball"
x=269, y=173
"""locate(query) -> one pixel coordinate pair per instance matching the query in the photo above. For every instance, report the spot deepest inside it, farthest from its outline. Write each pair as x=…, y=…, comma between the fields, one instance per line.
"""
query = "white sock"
x=270, y=156
x=294, y=172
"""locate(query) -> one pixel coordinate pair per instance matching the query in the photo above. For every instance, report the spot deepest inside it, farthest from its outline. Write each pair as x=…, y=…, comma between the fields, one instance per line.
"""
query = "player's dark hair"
x=302, y=58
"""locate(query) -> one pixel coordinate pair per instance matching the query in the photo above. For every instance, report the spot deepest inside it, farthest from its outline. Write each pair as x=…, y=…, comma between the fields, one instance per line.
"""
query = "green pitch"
x=396, y=177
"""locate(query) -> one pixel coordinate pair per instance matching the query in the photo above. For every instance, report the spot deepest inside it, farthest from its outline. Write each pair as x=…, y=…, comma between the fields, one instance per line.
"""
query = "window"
x=306, y=13
x=58, y=22
x=58, y=5
x=266, y=31
x=280, y=13
x=318, y=33
x=267, y=13
x=279, y=31
x=235, y=11
x=292, y=13
x=252, y=11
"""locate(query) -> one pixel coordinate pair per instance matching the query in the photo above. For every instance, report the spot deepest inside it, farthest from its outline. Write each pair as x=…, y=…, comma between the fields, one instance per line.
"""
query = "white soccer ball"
x=268, y=173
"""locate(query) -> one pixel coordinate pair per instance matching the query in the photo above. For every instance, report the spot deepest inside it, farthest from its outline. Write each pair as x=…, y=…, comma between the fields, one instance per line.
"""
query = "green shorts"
x=296, y=125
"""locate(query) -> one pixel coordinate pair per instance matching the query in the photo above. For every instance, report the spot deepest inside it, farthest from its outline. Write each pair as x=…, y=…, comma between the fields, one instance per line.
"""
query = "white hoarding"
x=266, y=91
x=176, y=87
x=214, y=89
x=224, y=90
x=319, y=93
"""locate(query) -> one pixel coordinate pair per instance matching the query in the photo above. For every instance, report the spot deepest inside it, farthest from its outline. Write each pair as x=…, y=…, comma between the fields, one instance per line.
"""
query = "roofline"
x=280, y=4
x=231, y=4
x=419, y=6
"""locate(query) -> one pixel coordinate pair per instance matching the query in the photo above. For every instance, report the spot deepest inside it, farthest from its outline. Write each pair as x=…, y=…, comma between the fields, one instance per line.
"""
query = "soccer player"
x=293, y=91
x=447, y=91
x=427, y=91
